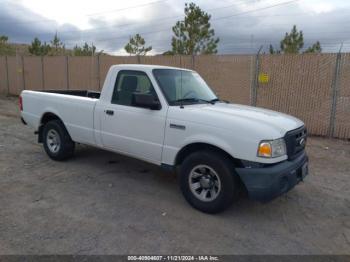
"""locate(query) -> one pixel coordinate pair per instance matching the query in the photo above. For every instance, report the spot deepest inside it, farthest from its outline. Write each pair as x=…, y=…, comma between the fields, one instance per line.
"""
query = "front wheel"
x=57, y=142
x=208, y=181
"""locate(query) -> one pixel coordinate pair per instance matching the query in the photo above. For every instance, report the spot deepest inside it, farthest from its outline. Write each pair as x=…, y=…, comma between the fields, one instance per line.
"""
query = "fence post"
x=193, y=62
x=67, y=72
x=252, y=78
x=23, y=75
x=254, y=89
x=335, y=91
x=98, y=72
x=17, y=72
x=7, y=76
x=42, y=73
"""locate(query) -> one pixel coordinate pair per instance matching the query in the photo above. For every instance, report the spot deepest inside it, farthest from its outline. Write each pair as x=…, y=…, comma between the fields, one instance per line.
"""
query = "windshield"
x=182, y=86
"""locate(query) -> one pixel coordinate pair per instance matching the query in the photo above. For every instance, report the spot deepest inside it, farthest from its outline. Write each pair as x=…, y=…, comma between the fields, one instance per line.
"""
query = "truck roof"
x=144, y=67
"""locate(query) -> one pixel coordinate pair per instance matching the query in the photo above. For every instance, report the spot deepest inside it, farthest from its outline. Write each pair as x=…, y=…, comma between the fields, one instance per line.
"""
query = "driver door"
x=129, y=129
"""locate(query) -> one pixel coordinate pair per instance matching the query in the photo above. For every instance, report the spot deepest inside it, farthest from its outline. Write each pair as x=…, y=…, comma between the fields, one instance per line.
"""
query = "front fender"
x=210, y=140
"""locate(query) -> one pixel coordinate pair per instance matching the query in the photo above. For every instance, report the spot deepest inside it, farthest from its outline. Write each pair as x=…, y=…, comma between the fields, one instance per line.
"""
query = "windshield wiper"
x=192, y=99
x=213, y=101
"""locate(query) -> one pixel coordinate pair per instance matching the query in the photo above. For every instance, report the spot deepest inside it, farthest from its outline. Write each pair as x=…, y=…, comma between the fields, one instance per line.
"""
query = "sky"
x=242, y=25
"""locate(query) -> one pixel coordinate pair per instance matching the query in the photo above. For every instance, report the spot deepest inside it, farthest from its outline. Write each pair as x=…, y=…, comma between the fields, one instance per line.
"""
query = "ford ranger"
x=170, y=117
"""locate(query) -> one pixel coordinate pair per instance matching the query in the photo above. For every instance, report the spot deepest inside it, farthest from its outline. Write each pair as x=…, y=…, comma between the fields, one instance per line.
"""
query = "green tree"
x=5, y=47
x=136, y=46
x=315, y=48
x=57, y=47
x=85, y=50
x=39, y=49
x=169, y=53
x=293, y=42
x=3, y=39
x=194, y=35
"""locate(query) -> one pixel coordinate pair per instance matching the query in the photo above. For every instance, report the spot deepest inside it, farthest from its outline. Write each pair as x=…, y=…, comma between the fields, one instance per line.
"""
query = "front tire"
x=57, y=142
x=208, y=181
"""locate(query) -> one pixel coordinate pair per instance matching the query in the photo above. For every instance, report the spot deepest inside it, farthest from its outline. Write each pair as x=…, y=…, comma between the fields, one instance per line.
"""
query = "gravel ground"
x=104, y=203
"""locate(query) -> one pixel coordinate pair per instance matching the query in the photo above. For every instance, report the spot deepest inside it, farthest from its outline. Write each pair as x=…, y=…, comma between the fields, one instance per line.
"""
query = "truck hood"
x=233, y=116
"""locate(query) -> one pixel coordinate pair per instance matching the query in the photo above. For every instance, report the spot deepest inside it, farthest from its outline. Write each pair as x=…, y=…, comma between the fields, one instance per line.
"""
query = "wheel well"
x=189, y=149
x=47, y=117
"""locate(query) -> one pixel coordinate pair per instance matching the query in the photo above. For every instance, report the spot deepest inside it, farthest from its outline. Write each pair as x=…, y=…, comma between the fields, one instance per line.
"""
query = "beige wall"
x=55, y=72
x=82, y=73
x=33, y=73
x=300, y=85
x=15, y=73
x=230, y=76
x=342, y=117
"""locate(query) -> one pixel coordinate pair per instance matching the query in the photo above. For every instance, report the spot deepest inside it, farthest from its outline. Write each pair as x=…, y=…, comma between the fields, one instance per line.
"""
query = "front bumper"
x=266, y=183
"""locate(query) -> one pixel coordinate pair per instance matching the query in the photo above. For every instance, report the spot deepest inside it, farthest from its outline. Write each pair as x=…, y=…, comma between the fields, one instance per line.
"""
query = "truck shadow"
x=154, y=183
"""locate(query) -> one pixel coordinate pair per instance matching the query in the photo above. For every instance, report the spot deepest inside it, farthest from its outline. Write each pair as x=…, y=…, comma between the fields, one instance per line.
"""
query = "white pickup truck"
x=170, y=117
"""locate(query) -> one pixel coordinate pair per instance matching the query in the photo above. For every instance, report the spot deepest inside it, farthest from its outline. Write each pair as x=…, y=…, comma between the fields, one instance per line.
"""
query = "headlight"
x=272, y=148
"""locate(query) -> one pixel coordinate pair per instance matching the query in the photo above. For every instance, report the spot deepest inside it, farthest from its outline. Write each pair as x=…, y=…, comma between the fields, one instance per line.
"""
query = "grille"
x=295, y=142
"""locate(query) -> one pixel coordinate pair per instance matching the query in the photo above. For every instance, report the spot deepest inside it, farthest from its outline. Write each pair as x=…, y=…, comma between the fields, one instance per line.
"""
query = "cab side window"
x=129, y=82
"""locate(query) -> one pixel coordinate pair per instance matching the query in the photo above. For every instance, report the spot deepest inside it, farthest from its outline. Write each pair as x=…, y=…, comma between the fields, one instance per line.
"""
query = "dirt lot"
x=104, y=203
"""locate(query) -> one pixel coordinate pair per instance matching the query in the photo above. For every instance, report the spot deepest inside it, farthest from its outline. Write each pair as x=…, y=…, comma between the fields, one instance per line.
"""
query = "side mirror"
x=145, y=101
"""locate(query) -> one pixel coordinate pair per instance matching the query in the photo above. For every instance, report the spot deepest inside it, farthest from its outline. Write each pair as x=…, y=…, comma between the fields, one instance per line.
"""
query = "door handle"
x=109, y=112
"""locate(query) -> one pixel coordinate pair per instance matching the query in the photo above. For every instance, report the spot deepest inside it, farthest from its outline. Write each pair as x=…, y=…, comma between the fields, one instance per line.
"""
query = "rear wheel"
x=208, y=181
x=57, y=142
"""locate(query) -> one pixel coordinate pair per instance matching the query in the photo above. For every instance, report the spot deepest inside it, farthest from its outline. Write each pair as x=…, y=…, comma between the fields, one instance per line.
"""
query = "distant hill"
x=11, y=49
x=22, y=49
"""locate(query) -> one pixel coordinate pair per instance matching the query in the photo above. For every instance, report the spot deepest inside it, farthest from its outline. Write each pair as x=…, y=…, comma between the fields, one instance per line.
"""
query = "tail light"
x=20, y=103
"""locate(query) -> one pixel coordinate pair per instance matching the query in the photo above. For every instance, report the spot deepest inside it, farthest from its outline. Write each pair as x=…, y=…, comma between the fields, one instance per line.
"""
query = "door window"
x=129, y=82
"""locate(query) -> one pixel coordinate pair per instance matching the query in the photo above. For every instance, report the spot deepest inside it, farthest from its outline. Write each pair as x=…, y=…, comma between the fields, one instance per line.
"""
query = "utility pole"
x=254, y=91
x=17, y=72
x=92, y=65
x=7, y=75
x=335, y=91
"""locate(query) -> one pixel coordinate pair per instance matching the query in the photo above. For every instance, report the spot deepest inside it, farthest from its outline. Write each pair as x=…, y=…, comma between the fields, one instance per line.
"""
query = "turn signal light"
x=265, y=150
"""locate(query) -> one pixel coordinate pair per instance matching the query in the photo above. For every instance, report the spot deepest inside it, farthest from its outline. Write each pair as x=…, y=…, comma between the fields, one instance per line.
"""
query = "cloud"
x=242, y=26
x=317, y=7
x=22, y=24
x=247, y=32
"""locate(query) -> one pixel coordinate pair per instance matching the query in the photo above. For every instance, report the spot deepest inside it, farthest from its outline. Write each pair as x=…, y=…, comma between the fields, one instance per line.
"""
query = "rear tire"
x=57, y=142
x=208, y=181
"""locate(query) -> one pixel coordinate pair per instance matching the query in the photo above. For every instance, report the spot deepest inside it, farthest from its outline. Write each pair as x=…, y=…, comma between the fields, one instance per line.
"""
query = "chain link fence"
x=312, y=87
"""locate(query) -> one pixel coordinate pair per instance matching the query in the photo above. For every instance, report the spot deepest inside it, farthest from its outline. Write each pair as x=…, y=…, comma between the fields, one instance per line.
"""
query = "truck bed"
x=82, y=93
x=74, y=107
